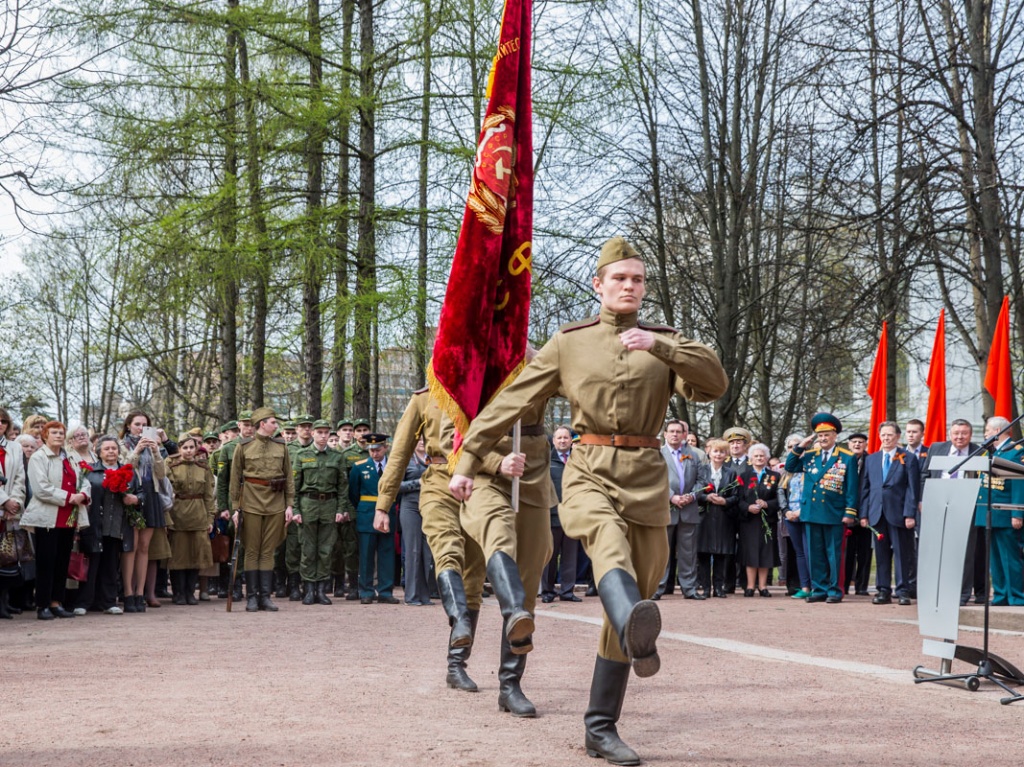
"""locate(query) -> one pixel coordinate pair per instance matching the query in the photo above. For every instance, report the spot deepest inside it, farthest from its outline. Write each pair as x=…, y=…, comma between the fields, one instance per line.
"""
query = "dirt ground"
x=755, y=681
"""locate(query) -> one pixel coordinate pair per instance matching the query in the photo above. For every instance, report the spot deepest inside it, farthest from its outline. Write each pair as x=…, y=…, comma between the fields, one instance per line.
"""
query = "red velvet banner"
x=481, y=336
x=877, y=389
x=998, y=379
x=935, y=421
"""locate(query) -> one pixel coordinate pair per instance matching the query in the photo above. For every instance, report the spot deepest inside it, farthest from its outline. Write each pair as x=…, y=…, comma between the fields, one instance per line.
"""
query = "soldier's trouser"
x=526, y=537
x=318, y=539
x=613, y=543
x=260, y=536
x=345, y=557
x=824, y=543
x=1007, y=567
x=376, y=551
x=453, y=549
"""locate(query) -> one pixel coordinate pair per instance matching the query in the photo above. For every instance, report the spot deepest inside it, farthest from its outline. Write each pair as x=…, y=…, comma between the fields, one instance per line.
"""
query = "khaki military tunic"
x=613, y=498
x=261, y=459
x=488, y=516
x=192, y=514
x=451, y=547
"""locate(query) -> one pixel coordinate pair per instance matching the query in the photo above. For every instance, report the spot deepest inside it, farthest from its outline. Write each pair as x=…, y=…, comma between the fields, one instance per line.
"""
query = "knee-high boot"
x=191, y=582
x=503, y=573
x=178, y=586
x=266, y=583
x=637, y=621
x=453, y=597
x=252, y=589
x=607, y=691
x=510, y=674
x=457, y=677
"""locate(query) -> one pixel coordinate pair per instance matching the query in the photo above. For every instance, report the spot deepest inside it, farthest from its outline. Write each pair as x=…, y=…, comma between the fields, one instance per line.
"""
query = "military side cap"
x=245, y=415
x=375, y=440
x=344, y=423
x=289, y=426
x=185, y=437
x=261, y=414
x=857, y=435
x=211, y=435
x=737, y=432
x=322, y=424
x=826, y=422
x=361, y=422
x=303, y=419
x=195, y=431
x=616, y=249
x=229, y=426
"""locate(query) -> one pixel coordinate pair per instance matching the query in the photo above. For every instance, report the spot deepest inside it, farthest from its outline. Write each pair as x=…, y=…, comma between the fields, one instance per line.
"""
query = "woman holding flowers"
x=191, y=518
x=111, y=534
x=60, y=495
x=758, y=549
x=146, y=455
x=721, y=496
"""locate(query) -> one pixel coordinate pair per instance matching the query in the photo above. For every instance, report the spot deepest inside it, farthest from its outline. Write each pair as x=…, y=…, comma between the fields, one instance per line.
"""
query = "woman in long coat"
x=191, y=518
x=758, y=549
x=720, y=493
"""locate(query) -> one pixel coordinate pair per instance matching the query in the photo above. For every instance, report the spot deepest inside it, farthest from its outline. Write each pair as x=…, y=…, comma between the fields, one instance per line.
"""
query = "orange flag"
x=935, y=421
x=998, y=380
x=877, y=389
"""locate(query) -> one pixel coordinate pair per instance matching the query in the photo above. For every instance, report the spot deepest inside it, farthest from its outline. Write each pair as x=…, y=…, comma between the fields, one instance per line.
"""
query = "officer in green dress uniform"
x=345, y=559
x=830, y=498
x=1005, y=546
x=375, y=548
x=321, y=491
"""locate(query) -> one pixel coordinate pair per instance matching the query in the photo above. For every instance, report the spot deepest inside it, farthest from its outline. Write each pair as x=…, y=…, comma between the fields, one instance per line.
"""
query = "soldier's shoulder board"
x=843, y=450
x=360, y=463
x=656, y=326
x=245, y=440
x=579, y=324
x=279, y=440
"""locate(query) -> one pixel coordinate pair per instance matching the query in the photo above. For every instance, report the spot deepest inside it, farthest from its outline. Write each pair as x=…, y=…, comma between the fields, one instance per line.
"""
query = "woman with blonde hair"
x=191, y=518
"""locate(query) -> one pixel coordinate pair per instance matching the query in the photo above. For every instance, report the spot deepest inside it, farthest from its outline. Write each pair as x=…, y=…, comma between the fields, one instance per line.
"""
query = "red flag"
x=998, y=380
x=935, y=421
x=481, y=336
x=877, y=389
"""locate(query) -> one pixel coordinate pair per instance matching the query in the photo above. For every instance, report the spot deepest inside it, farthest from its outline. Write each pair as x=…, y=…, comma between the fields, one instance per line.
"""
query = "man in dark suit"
x=960, y=445
x=563, y=558
x=915, y=433
x=888, y=503
x=857, y=545
x=684, y=512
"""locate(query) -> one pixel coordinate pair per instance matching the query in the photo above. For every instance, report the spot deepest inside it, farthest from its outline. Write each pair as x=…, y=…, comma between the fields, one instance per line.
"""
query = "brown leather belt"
x=263, y=482
x=537, y=430
x=619, y=440
x=320, y=496
x=434, y=460
x=188, y=497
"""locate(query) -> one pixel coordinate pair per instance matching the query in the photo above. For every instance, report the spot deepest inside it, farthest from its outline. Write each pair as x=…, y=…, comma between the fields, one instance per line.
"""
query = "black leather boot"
x=236, y=587
x=309, y=593
x=453, y=597
x=294, y=581
x=191, y=583
x=510, y=673
x=252, y=589
x=503, y=573
x=279, y=582
x=321, y=594
x=607, y=691
x=222, y=581
x=266, y=590
x=178, y=587
x=5, y=610
x=457, y=677
x=637, y=621
x=339, y=585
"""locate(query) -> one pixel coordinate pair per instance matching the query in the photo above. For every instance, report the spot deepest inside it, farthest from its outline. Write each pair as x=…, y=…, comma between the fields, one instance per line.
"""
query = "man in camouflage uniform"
x=345, y=559
x=263, y=489
x=288, y=556
x=321, y=487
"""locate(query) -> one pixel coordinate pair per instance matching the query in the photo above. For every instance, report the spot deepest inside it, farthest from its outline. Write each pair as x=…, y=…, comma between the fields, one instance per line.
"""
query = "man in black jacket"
x=562, y=566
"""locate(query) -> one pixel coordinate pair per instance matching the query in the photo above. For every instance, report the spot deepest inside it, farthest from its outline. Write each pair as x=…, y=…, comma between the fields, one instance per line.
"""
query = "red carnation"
x=117, y=480
x=709, y=488
x=85, y=466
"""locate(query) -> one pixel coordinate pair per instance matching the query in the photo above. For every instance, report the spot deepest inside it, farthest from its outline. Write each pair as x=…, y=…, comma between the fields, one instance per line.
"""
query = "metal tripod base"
x=991, y=668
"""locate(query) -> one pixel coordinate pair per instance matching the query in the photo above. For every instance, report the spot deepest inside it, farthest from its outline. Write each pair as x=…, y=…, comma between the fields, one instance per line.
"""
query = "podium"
x=947, y=514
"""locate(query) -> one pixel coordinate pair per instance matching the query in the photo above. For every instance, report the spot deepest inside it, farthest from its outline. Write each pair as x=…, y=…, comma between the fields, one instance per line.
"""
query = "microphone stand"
x=990, y=667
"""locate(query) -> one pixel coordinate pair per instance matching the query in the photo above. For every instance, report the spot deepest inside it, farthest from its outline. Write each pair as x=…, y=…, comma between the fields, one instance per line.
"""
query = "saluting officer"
x=374, y=547
x=618, y=374
x=321, y=488
x=830, y=497
x=263, y=490
x=458, y=560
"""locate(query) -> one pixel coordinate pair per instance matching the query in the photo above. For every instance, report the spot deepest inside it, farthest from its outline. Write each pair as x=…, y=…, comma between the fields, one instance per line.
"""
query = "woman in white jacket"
x=58, y=505
x=12, y=503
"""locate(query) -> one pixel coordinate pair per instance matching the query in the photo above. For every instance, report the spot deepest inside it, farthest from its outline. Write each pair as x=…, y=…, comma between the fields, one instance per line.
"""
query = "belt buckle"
x=612, y=443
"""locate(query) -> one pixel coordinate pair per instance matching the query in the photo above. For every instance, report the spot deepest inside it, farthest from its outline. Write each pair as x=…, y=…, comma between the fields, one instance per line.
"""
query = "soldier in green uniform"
x=263, y=490
x=345, y=559
x=345, y=429
x=222, y=467
x=1007, y=565
x=321, y=488
x=288, y=557
x=830, y=498
x=457, y=557
x=618, y=374
x=375, y=548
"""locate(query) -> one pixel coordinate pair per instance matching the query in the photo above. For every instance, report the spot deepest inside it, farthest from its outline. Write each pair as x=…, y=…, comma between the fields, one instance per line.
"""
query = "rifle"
x=234, y=559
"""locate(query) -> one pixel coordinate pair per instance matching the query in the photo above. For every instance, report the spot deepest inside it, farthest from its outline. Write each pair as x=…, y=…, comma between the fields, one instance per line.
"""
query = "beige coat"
x=15, y=473
x=45, y=475
x=611, y=391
